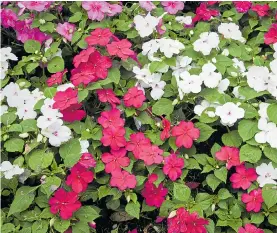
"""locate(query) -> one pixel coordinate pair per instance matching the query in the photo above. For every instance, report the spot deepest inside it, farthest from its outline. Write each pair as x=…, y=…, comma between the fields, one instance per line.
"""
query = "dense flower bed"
x=139, y=117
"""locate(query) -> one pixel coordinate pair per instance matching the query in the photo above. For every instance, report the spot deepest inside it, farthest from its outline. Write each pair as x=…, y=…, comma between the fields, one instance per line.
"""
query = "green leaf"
x=271, y=153
x=272, y=113
x=31, y=46
x=61, y=225
x=222, y=62
x=250, y=111
x=14, y=145
x=87, y=213
x=247, y=129
x=29, y=125
x=133, y=209
x=232, y=139
x=55, y=65
x=23, y=199
x=103, y=191
x=70, y=152
x=47, y=27
x=257, y=218
x=114, y=75
x=272, y=219
x=8, y=118
x=7, y=228
x=76, y=36
x=49, y=92
x=205, y=131
x=250, y=93
x=76, y=17
x=221, y=174
x=212, y=181
x=50, y=185
x=40, y=226
x=269, y=195
x=39, y=159
x=250, y=153
x=181, y=192
x=82, y=95
x=31, y=66
x=163, y=107
x=81, y=227
x=156, y=65
x=224, y=194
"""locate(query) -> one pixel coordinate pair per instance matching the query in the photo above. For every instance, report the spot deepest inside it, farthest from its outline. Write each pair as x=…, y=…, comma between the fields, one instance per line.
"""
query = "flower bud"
x=44, y=59
x=172, y=214
x=42, y=21
x=51, y=223
x=5, y=137
x=158, y=124
x=175, y=102
x=92, y=224
x=186, y=156
x=23, y=135
x=39, y=138
x=213, y=207
x=191, y=32
x=216, y=166
x=128, y=198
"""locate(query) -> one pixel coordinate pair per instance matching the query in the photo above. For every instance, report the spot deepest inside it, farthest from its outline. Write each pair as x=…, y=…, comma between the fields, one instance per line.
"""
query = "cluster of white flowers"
x=210, y=78
x=6, y=54
x=10, y=170
x=231, y=31
x=51, y=125
x=23, y=100
x=268, y=129
x=206, y=42
x=145, y=25
x=267, y=174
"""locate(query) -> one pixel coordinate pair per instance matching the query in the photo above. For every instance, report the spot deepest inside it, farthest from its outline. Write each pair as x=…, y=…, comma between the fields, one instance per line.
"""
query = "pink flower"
x=56, y=78
x=114, y=137
x=73, y=113
x=114, y=9
x=249, y=228
x=253, y=200
x=166, y=129
x=172, y=7
x=115, y=160
x=134, y=98
x=111, y=118
x=96, y=9
x=82, y=75
x=151, y=154
x=173, y=166
x=64, y=99
x=123, y=180
x=66, y=30
x=120, y=49
x=230, y=155
x=92, y=224
x=203, y=13
x=243, y=177
x=107, y=95
x=36, y=5
x=83, y=56
x=79, y=178
x=99, y=64
x=195, y=224
x=242, y=6
x=147, y=5
x=270, y=37
x=185, y=133
x=8, y=18
x=100, y=36
x=87, y=160
x=137, y=141
x=66, y=203
x=261, y=10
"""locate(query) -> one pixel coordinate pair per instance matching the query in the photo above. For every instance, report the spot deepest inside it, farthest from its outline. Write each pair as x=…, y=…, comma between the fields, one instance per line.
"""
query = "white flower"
x=145, y=25
x=143, y=75
x=84, y=145
x=225, y=52
x=271, y=137
x=170, y=47
x=10, y=170
x=150, y=47
x=11, y=91
x=273, y=66
x=182, y=64
x=26, y=111
x=206, y=42
x=3, y=109
x=231, y=31
x=275, y=49
x=6, y=54
x=239, y=65
x=45, y=121
x=200, y=108
x=258, y=78
x=37, y=95
x=209, y=76
x=3, y=69
x=267, y=174
x=47, y=108
x=229, y=113
x=272, y=84
x=63, y=87
x=263, y=110
x=223, y=85
x=187, y=20
x=265, y=127
x=57, y=133
x=237, y=94
x=157, y=88
x=190, y=83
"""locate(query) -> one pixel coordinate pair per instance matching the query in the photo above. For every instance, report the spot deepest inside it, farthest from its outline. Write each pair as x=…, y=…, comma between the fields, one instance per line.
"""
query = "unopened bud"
x=23, y=135
x=172, y=214
x=213, y=207
x=216, y=166
x=92, y=224
x=175, y=102
x=128, y=198
x=191, y=32
x=186, y=156
x=5, y=137
x=51, y=223
x=42, y=21
x=39, y=138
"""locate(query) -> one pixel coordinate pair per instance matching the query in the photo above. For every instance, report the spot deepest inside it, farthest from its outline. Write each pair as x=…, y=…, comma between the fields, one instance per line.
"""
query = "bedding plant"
x=139, y=117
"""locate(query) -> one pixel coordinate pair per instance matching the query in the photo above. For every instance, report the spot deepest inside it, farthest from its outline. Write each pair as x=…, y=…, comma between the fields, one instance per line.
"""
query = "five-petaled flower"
x=230, y=155
x=123, y=180
x=134, y=98
x=173, y=166
x=253, y=200
x=243, y=177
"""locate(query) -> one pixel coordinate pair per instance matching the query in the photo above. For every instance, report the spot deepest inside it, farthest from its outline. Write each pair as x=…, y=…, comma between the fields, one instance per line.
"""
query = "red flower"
x=79, y=178
x=107, y=95
x=230, y=155
x=123, y=180
x=203, y=13
x=151, y=154
x=196, y=224
x=243, y=177
x=253, y=200
x=134, y=97
x=83, y=75
x=154, y=196
x=111, y=118
x=137, y=141
x=87, y=160
x=271, y=36
x=65, y=203
x=262, y=10
x=133, y=231
x=56, y=78
x=115, y=160
x=166, y=129
x=120, y=49
x=249, y=228
x=114, y=137
x=178, y=223
x=73, y=113
x=185, y=133
x=100, y=64
x=99, y=36
x=83, y=56
x=242, y=6
x=64, y=99
x=173, y=166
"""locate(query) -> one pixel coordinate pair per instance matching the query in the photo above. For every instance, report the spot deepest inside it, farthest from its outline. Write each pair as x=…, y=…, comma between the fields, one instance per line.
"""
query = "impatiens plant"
x=139, y=117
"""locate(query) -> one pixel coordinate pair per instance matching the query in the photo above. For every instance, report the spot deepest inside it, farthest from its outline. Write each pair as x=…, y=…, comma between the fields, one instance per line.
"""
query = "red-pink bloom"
x=242, y=6
x=115, y=160
x=123, y=180
x=114, y=9
x=159, y=219
x=173, y=166
x=137, y=141
x=35, y=5
x=79, y=178
x=185, y=133
x=134, y=98
x=261, y=10
x=253, y=200
x=99, y=64
x=203, y=13
x=107, y=95
x=96, y=9
x=172, y=7
x=161, y=29
x=210, y=3
x=83, y=56
x=82, y=76
x=64, y=99
x=111, y=118
x=87, y=160
x=120, y=49
x=92, y=224
x=166, y=129
x=147, y=5
x=195, y=224
x=270, y=37
x=66, y=203
x=151, y=154
x=230, y=155
x=133, y=231
x=100, y=36
x=56, y=78
x=243, y=177
x=66, y=30
x=178, y=223
x=249, y=228
x=114, y=137
x=8, y=18
x=154, y=196
x=73, y=113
